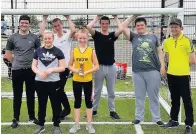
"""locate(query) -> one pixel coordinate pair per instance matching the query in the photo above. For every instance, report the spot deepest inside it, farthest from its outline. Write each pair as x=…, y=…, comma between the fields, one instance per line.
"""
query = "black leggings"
x=77, y=89
x=45, y=90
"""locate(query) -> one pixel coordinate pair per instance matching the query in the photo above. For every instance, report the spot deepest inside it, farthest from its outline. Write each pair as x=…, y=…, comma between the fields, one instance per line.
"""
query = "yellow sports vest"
x=84, y=62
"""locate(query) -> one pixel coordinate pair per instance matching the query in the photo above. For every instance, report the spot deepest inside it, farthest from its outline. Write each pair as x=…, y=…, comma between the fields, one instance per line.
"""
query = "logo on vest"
x=48, y=57
x=81, y=59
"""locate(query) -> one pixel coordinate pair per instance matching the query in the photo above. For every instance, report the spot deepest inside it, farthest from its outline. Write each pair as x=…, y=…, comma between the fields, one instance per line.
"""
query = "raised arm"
x=43, y=24
x=125, y=24
x=71, y=25
x=91, y=24
x=119, y=24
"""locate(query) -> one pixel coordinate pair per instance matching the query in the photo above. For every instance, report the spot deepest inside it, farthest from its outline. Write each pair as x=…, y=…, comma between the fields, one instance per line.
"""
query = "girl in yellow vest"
x=83, y=62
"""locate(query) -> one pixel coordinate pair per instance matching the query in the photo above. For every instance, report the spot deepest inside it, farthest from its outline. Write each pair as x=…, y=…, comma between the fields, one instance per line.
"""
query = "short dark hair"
x=24, y=17
x=57, y=19
x=141, y=19
x=105, y=18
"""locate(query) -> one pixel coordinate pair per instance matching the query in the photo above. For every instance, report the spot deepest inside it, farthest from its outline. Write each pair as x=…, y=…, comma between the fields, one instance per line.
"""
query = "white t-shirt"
x=64, y=44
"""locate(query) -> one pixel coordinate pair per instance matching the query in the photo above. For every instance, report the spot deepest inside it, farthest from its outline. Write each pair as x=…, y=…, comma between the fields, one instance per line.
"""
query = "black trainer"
x=135, y=122
x=14, y=123
x=94, y=113
x=188, y=130
x=172, y=124
x=64, y=113
x=114, y=115
x=160, y=124
x=34, y=120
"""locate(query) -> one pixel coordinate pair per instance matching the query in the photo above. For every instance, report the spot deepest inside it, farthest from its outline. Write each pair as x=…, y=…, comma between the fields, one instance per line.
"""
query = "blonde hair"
x=47, y=32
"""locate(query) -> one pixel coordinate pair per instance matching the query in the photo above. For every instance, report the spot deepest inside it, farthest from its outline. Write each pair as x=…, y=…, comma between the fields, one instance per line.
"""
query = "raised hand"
x=99, y=16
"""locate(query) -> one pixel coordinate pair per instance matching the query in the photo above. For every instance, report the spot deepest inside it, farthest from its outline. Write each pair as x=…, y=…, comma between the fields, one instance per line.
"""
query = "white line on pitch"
x=104, y=89
x=68, y=123
x=138, y=129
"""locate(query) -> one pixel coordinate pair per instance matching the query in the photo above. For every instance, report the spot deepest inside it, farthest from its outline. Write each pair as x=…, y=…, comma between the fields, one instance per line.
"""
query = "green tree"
x=34, y=22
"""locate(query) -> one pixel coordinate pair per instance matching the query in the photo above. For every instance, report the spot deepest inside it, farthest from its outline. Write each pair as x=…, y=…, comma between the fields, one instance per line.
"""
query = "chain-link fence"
x=123, y=48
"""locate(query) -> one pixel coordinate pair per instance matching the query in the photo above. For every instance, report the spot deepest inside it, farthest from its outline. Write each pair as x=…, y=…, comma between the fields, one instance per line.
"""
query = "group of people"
x=45, y=69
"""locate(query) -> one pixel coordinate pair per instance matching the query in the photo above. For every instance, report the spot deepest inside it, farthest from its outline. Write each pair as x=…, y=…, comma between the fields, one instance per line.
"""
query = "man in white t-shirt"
x=62, y=40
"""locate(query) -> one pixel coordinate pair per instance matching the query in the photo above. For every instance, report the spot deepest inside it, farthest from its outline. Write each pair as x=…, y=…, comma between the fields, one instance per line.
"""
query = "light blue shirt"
x=3, y=26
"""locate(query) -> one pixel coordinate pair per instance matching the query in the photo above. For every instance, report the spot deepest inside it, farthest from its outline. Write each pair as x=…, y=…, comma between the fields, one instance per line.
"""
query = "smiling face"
x=176, y=29
x=140, y=27
x=48, y=39
x=104, y=25
x=82, y=37
x=57, y=25
x=24, y=25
